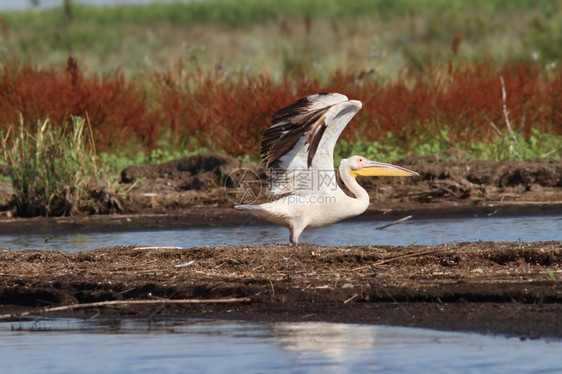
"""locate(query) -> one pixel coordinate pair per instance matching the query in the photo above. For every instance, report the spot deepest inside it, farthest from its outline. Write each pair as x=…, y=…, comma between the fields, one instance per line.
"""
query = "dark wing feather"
x=288, y=126
x=302, y=136
x=317, y=134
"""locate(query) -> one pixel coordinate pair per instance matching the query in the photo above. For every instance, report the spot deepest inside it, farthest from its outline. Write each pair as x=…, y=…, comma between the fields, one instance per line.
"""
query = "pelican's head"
x=359, y=165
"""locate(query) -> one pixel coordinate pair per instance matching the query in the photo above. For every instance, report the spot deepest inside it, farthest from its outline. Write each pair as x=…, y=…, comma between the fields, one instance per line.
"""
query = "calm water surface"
x=418, y=231
x=199, y=346
x=195, y=346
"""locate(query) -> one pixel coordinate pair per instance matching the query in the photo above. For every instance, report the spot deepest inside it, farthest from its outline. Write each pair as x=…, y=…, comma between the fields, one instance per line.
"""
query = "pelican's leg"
x=295, y=233
x=294, y=238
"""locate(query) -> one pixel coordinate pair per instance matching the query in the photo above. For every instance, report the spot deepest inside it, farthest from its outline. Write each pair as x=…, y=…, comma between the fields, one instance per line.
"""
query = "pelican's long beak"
x=380, y=169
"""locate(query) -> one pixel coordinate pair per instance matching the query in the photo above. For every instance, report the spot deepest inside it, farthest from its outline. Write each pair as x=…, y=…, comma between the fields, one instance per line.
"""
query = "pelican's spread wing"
x=300, y=142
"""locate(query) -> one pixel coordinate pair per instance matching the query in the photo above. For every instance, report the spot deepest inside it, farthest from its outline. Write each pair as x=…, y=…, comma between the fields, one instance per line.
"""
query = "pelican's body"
x=298, y=151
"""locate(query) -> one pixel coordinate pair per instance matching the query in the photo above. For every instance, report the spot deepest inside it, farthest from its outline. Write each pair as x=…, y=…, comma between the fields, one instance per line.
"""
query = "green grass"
x=245, y=12
x=54, y=168
x=51, y=169
x=113, y=162
x=509, y=147
x=273, y=38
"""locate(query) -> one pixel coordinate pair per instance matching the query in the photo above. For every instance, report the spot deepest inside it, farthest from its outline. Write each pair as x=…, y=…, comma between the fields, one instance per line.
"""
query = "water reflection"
x=418, y=231
x=203, y=346
x=338, y=343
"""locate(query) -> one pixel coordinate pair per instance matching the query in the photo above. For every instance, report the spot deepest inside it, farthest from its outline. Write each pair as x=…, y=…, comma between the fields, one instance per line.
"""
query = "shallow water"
x=196, y=346
x=414, y=231
x=204, y=346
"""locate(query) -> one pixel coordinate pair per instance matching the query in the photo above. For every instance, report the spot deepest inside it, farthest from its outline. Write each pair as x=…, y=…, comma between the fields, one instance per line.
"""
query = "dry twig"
x=393, y=223
x=505, y=111
x=124, y=303
x=158, y=247
x=381, y=262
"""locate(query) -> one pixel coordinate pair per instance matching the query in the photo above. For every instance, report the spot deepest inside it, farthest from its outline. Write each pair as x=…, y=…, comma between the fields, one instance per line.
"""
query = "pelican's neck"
x=361, y=200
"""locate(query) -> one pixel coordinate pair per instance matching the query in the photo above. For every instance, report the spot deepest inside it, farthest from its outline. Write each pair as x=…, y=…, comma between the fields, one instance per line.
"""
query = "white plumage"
x=298, y=151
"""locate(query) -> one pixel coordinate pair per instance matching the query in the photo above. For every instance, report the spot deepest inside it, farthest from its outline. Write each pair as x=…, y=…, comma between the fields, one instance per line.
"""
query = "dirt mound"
x=182, y=184
x=476, y=181
x=444, y=182
x=497, y=174
x=179, y=186
x=466, y=286
x=188, y=173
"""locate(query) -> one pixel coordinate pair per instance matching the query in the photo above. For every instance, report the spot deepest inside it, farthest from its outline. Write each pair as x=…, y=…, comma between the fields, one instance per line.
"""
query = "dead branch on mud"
x=381, y=262
x=393, y=223
x=157, y=247
x=240, y=300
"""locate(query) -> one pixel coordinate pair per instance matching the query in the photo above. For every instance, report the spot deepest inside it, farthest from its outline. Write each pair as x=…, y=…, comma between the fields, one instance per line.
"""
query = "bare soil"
x=500, y=287
x=449, y=186
x=202, y=190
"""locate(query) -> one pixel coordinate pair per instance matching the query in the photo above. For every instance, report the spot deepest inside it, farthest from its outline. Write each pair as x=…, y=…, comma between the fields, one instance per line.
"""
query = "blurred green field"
x=277, y=38
x=167, y=48
x=88, y=90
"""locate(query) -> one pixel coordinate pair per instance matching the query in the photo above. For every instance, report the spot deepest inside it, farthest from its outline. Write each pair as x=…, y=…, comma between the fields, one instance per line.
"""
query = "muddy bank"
x=511, y=288
x=217, y=181
x=499, y=287
x=202, y=190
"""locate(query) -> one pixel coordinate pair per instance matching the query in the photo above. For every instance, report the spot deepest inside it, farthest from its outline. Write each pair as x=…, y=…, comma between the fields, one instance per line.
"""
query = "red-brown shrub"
x=230, y=112
x=228, y=115
x=116, y=109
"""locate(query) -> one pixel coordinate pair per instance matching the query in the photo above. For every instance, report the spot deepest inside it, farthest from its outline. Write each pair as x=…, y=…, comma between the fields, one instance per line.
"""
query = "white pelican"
x=298, y=152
